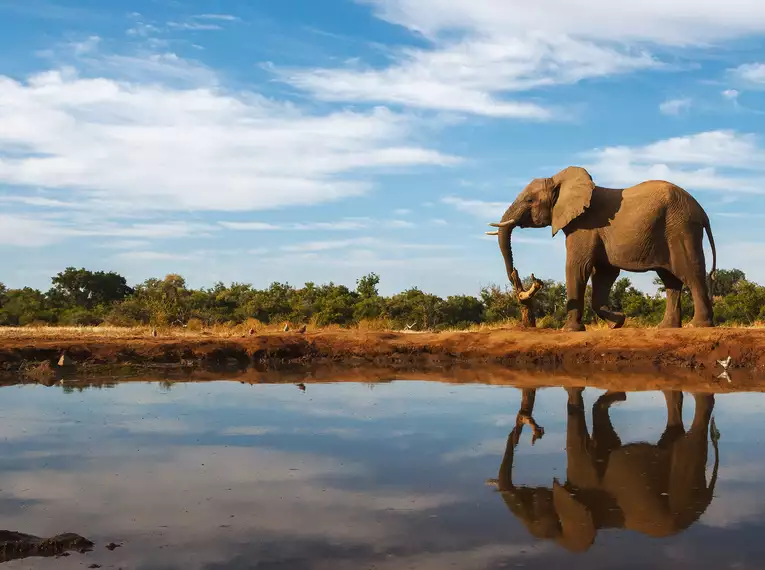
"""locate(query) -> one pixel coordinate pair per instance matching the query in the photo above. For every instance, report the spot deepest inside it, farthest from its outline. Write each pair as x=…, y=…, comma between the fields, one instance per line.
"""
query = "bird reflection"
x=656, y=489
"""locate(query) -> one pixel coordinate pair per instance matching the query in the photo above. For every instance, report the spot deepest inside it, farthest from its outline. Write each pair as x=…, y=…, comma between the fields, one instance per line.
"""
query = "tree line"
x=82, y=297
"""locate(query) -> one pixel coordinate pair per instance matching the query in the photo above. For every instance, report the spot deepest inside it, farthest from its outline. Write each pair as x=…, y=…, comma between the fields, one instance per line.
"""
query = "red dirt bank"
x=634, y=349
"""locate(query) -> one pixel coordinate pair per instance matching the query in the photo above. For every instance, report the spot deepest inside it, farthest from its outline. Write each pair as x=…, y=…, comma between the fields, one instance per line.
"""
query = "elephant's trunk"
x=505, y=245
x=510, y=219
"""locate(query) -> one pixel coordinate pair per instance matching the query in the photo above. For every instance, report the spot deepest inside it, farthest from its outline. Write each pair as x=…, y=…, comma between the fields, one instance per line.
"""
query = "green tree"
x=88, y=289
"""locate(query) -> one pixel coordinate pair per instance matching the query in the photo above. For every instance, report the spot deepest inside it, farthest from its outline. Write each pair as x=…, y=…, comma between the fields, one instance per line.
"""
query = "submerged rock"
x=17, y=545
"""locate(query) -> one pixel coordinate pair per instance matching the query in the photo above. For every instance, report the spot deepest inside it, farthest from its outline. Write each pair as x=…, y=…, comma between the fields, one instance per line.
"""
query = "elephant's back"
x=637, y=476
x=667, y=196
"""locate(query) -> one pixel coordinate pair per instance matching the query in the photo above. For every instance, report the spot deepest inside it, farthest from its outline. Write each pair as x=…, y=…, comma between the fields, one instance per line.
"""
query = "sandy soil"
x=625, y=349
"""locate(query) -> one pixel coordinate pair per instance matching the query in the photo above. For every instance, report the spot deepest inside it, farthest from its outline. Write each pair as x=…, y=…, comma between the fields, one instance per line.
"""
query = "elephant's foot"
x=575, y=401
x=701, y=323
x=573, y=326
x=618, y=322
x=670, y=323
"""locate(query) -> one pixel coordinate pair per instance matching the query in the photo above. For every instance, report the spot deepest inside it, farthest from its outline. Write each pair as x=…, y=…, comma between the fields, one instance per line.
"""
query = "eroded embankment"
x=613, y=350
x=309, y=377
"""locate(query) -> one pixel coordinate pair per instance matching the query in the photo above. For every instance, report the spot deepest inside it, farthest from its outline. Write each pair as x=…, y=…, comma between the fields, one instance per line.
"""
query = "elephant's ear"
x=574, y=187
x=577, y=526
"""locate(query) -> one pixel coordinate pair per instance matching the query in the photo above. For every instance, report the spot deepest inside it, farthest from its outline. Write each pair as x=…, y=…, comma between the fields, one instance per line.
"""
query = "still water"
x=398, y=475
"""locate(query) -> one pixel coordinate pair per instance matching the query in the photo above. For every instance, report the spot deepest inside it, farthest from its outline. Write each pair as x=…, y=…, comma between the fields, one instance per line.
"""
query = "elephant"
x=656, y=489
x=652, y=226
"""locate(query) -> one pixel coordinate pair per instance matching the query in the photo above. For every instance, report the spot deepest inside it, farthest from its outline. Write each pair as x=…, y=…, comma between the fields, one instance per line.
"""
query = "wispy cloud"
x=484, y=54
x=349, y=224
x=488, y=68
x=752, y=74
x=222, y=17
x=478, y=208
x=721, y=160
x=675, y=106
x=36, y=231
x=193, y=26
x=150, y=146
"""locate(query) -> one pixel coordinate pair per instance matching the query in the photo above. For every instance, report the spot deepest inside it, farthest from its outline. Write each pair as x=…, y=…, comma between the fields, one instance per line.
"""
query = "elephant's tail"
x=713, y=272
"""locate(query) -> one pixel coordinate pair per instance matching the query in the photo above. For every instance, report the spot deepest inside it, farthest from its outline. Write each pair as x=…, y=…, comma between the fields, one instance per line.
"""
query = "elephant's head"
x=554, y=201
x=552, y=514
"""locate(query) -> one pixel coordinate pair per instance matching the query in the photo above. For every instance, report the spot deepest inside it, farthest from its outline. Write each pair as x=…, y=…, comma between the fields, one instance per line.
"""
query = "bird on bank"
x=154, y=332
x=302, y=329
x=286, y=327
x=725, y=363
x=252, y=332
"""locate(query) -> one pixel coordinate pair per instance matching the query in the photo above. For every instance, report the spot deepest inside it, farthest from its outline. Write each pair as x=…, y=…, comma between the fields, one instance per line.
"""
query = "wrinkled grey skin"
x=652, y=226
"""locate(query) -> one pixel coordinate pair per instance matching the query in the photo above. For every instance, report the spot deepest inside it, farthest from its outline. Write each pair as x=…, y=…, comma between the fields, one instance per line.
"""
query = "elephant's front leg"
x=577, y=273
x=603, y=279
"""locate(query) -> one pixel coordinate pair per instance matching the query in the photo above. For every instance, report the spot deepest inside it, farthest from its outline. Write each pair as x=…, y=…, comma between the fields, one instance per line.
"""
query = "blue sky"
x=315, y=141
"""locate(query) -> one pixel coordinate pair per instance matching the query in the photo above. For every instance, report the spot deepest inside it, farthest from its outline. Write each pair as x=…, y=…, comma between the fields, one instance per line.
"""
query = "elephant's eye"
x=529, y=200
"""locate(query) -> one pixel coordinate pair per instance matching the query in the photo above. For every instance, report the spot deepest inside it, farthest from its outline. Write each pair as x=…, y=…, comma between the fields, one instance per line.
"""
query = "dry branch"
x=526, y=297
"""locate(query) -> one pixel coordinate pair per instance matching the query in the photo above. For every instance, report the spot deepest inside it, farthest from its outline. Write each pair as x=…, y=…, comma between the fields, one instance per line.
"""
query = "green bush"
x=82, y=297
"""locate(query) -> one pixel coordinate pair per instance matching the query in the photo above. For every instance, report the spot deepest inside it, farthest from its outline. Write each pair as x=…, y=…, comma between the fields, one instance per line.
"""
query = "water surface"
x=387, y=476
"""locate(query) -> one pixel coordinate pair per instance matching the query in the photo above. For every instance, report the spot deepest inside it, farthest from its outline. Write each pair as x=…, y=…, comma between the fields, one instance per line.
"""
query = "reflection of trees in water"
x=17, y=545
x=656, y=489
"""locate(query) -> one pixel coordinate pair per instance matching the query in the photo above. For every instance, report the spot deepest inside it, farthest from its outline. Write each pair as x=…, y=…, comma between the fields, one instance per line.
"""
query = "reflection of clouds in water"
x=551, y=443
x=480, y=558
x=325, y=502
x=155, y=426
x=734, y=506
x=185, y=496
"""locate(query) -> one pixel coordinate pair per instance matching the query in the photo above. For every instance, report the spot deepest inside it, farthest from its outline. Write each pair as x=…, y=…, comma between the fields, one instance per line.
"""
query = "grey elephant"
x=656, y=489
x=652, y=226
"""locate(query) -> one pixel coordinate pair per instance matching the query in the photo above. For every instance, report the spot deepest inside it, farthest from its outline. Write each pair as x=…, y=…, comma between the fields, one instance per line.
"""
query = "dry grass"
x=197, y=330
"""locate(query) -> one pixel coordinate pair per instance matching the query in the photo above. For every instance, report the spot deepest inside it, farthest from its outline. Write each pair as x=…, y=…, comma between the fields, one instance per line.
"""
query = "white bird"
x=724, y=374
x=409, y=327
x=286, y=327
x=725, y=363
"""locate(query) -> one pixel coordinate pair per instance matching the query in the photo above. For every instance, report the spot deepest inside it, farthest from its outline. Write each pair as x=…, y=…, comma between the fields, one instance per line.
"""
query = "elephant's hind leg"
x=603, y=278
x=673, y=317
x=688, y=265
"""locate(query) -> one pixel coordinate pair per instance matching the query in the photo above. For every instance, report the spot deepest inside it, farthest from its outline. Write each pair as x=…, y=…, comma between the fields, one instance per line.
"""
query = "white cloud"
x=482, y=50
x=489, y=210
x=471, y=75
x=29, y=231
x=676, y=23
x=674, y=106
x=329, y=244
x=361, y=242
x=731, y=94
x=348, y=224
x=715, y=160
x=753, y=73
x=194, y=26
x=223, y=17
x=144, y=145
x=148, y=255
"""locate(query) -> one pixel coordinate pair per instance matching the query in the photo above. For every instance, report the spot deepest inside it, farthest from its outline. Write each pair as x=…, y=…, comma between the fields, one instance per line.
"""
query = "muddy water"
x=387, y=476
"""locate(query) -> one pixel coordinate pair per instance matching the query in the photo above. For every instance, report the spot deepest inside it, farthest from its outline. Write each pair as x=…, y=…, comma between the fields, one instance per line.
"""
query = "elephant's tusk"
x=502, y=224
x=492, y=233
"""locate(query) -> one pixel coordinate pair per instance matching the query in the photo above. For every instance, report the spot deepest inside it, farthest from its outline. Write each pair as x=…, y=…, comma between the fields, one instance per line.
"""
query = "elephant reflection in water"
x=656, y=489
